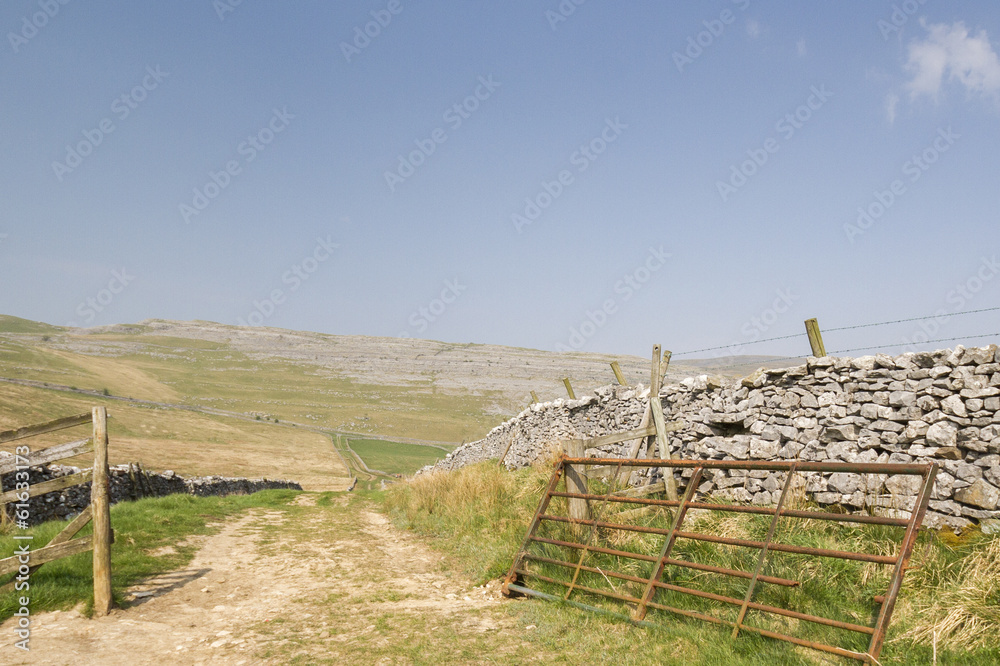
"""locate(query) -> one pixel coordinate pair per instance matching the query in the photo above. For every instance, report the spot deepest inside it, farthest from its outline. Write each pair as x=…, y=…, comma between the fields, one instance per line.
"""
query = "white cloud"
x=890, y=107
x=949, y=49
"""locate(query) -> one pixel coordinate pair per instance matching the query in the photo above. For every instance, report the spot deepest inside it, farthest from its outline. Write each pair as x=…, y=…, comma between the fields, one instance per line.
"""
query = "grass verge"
x=949, y=605
x=141, y=529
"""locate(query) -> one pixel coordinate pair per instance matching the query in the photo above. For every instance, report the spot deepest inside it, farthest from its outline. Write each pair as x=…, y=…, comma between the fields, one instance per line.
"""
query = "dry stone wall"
x=941, y=406
x=71, y=501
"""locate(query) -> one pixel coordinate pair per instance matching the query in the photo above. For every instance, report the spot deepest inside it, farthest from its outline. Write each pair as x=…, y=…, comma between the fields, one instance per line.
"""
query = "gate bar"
x=916, y=469
x=787, y=548
x=905, y=550
x=669, y=560
x=763, y=551
x=647, y=596
x=762, y=510
x=697, y=593
x=690, y=565
x=535, y=522
x=593, y=529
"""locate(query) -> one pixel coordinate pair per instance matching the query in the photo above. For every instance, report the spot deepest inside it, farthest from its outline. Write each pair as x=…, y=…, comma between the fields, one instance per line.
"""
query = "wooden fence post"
x=656, y=411
x=576, y=482
x=617, y=369
x=569, y=388
x=101, y=510
x=815, y=338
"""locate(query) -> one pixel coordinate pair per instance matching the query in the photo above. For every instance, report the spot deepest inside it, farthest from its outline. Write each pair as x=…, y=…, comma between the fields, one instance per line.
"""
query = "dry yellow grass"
x=187, y=442
x=118, y=377
x=960, y=604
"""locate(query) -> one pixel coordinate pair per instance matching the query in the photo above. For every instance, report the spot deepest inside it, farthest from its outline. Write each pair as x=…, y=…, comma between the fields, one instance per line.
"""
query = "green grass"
x=395, y=457
x=479, y=515
x=140, y=528
x=12, y=324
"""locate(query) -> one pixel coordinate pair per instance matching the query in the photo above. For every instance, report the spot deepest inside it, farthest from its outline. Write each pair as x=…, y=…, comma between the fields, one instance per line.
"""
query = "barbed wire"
x=737, y=344
x=770, y=362
x=890, y=346
x=855, y=326
x=901, y=321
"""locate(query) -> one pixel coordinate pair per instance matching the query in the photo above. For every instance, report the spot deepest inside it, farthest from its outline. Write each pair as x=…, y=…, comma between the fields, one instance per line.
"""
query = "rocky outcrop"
x=941, y=406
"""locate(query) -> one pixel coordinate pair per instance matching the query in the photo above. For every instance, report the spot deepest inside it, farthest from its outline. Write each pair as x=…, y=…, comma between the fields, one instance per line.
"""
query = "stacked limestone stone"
x=941, y=407
x=71, y=501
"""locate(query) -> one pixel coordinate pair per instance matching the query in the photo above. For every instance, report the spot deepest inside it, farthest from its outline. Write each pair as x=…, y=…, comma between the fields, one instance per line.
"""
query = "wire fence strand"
x=853, y=327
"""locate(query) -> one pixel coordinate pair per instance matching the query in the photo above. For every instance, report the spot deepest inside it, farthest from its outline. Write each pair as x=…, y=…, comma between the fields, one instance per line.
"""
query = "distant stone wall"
x=941, y=406
x=71, y=501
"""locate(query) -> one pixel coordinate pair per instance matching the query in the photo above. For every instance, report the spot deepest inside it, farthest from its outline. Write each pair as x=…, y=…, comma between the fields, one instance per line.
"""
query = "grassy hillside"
x=187, y=442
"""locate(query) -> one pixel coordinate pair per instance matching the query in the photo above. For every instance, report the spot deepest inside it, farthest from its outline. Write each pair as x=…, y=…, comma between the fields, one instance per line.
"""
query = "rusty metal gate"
x=627, y=553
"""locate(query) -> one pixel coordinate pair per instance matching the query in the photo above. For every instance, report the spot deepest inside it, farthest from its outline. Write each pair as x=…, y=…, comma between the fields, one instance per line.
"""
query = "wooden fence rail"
x=63, y=544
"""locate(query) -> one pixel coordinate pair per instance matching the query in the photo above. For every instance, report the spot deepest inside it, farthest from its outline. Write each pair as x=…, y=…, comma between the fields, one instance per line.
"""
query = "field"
x=396, y=457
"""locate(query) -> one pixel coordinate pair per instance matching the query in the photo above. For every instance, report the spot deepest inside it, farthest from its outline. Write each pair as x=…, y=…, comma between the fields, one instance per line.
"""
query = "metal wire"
x=906, y=344
x=754, y=342
x=848, y=328
x=901, y=321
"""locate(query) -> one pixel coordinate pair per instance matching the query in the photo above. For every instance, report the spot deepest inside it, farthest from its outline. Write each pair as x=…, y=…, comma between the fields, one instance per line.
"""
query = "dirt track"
x=315, y=584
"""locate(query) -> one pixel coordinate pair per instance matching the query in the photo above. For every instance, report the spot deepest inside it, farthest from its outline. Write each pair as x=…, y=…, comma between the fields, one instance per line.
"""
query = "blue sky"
x=597, y=176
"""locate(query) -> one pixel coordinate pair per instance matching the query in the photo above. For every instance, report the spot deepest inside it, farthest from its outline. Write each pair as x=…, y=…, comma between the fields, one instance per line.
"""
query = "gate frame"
x=513, y=582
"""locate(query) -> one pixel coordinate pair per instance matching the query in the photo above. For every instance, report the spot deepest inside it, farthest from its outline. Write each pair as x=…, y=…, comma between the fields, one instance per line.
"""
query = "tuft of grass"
x=478, y=512
x=955, y=599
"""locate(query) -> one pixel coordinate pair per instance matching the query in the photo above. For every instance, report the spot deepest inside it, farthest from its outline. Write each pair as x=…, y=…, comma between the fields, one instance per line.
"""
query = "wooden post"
x=510, y=443
x=100, y=507
x=815, y=338
x=534, y=397
x=664, y=364
x=569, y=388
x=576, y=482
x=656, y=411
x=618, y=373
